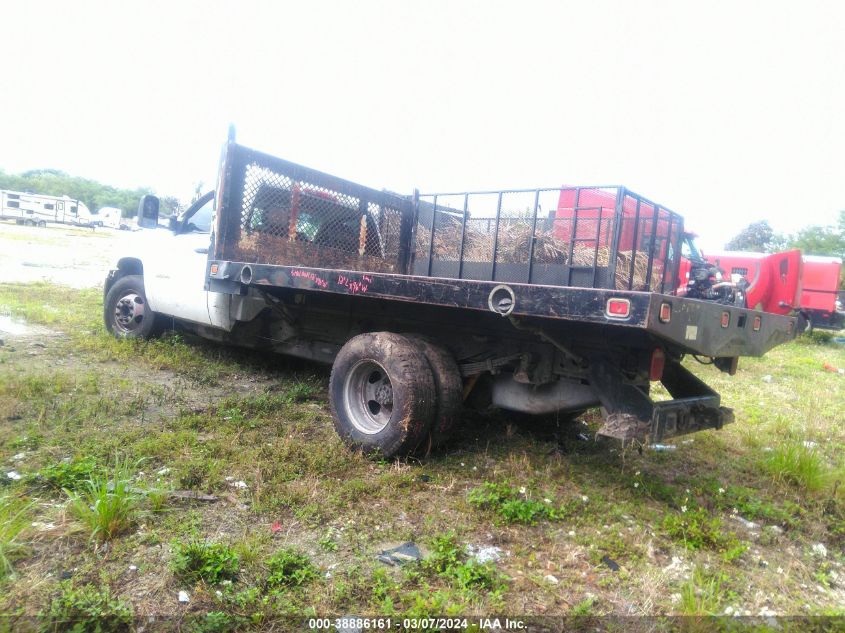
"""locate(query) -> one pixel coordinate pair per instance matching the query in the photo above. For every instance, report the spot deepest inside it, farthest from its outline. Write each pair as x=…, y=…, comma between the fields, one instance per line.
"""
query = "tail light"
x=618, y=308
x=726, y=318
x=658, y=362
x=758, y=322
x=665, y=312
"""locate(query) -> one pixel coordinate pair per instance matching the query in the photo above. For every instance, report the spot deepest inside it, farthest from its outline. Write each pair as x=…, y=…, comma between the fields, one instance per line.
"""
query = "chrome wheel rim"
x=368, y=397
x=129, y=312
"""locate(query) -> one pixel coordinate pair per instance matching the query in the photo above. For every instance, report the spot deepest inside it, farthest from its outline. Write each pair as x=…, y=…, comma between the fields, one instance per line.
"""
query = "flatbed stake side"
x=546, y=300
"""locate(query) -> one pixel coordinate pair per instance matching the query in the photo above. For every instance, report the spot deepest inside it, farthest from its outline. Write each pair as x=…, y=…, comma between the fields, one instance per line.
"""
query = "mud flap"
x=633, y=416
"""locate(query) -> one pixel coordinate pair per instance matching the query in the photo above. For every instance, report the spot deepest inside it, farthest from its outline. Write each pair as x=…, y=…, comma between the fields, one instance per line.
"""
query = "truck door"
x=174, y=280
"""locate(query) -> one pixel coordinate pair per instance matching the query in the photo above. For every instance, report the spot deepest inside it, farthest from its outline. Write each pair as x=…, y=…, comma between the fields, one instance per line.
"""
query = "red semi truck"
x=784, y=282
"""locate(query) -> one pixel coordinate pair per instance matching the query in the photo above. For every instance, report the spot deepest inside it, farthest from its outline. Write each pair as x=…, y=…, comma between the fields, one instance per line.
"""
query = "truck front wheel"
x=382, y=394
x=125, y=310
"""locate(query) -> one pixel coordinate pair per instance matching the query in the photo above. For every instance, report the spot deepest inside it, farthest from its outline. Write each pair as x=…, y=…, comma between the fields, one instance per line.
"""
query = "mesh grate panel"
x=290, y=220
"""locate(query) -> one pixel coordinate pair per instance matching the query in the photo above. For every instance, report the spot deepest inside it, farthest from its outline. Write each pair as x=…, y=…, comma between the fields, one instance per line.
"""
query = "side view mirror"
x=148, y=212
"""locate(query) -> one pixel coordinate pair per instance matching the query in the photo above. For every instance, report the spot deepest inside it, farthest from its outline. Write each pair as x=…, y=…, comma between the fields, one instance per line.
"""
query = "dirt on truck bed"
x=242, y=509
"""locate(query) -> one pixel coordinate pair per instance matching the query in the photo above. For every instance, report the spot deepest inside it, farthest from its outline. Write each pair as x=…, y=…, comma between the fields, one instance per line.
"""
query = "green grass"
x=702, y=594
x=795, y=463
x=86, y=608
x=206, y=416
x=107, y=502
x=14, y=519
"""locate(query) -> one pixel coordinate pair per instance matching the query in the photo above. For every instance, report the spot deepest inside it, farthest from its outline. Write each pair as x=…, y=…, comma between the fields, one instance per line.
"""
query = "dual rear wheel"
x=394, y=394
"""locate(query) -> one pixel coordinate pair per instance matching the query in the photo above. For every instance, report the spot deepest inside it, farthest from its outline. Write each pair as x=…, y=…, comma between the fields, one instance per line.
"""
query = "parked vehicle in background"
x=821, y=299
x=112, y=217
x=788, y=283
x=538, y=301
x=773, y=280
x=35, y=209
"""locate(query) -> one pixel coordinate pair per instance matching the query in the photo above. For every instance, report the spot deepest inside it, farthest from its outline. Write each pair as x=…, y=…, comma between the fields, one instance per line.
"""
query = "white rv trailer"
x=37, y=210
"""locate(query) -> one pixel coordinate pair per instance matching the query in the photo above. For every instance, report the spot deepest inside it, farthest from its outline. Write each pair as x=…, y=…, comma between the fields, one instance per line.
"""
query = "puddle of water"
x=10, y=325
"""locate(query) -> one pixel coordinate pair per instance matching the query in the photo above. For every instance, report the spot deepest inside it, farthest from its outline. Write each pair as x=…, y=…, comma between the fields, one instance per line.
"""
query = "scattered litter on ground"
x=583, y=437
x=612, y=564
x=192, y=495
x=662, y=448
x=748, y=525
x=551, y=579
x=18, y=457
x=834, y=370
x=163, y=471
x=133, y=568
x=13, y=475
x=485, y=554
x=183, y=597
x=240, y=485
x=820, y=550
x=810, y=444
x=687, y=441
x=767, y=378
x=404, y=553
x=776, y=529
x=276, y=526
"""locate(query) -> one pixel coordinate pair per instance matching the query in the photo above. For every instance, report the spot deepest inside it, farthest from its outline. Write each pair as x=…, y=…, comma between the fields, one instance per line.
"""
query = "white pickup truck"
x=162, y=276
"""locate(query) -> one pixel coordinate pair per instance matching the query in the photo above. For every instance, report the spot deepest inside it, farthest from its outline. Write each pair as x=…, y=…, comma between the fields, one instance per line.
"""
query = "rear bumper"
x=701, y=327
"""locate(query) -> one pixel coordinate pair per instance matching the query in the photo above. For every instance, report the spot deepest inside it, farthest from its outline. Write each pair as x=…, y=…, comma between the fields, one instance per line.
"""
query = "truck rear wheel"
x=382, y=394
x=448, y=386
x=125, y=310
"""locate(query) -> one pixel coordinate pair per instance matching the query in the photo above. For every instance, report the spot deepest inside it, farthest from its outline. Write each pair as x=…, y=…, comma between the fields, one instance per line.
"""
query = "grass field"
x=104, y=439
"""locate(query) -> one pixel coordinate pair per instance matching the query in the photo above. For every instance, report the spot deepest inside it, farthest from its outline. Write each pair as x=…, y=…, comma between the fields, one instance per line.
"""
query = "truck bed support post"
x=533, y=235
x=614, y=245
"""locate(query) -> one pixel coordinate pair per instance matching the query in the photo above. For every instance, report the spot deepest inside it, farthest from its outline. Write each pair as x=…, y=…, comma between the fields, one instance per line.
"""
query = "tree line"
x=94, y=194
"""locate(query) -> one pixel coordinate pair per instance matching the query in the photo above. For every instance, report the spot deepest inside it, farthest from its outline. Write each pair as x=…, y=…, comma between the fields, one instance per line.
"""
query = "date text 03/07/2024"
x=351, y=623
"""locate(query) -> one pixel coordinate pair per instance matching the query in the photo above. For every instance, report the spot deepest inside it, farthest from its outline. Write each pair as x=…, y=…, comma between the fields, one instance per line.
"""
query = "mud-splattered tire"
x=126, y=313
x=449, y=388
x=382, y=394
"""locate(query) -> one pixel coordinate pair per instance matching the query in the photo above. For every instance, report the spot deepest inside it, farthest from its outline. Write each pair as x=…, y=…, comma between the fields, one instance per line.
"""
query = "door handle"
x=201, y=249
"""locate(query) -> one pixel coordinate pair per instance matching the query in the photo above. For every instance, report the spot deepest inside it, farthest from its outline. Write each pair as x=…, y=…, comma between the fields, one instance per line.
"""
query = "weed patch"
x=290, y=568
x=696, y=529
x=449, y=560
x=66, y=475
x=86, y=608
x=513, y=505
x=199, y=560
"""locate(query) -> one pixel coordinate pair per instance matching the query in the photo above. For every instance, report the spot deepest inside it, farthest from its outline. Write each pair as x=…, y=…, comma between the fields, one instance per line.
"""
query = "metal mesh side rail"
x=281, y=213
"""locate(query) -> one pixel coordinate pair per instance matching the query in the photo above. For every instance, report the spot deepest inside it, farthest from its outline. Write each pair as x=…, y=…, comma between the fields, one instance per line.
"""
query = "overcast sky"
x=727, y=112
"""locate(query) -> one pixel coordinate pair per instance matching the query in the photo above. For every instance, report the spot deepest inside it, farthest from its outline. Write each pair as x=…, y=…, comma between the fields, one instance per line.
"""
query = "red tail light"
x=726, y=318
x=758, y=321
x=665, y=312
x=658, y=362
x=618, y=308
